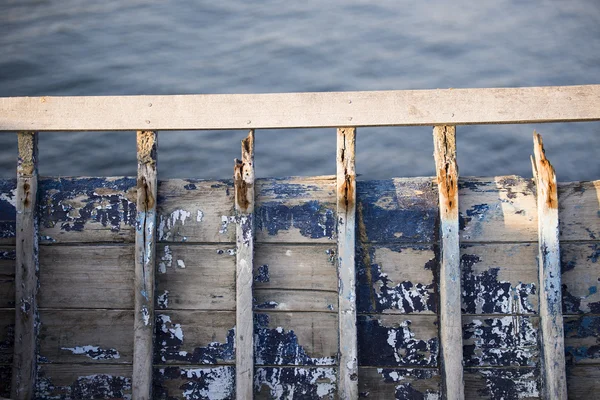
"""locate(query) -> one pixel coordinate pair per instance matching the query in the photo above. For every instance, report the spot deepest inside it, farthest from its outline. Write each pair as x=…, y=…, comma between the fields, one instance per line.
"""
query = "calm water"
x=69, y=47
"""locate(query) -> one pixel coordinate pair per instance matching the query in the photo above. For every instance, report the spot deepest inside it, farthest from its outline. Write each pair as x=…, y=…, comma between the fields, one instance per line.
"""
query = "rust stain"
x=447, y=173
x=146, y=147
x=241, y=187
x=544, y=173
x=346, y=200
x=243, y=175
x=145, y=199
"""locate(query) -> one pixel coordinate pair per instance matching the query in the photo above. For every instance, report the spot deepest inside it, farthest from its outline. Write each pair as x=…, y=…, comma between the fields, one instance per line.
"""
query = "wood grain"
x=244, y=214
x=26, y=276
x=554, y=381
x=145, y=257
x=346, y=230
x=302, y=110
x=444, y=140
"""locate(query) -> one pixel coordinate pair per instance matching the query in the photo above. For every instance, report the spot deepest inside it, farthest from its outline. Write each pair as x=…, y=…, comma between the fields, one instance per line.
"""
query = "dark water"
x=69, y=47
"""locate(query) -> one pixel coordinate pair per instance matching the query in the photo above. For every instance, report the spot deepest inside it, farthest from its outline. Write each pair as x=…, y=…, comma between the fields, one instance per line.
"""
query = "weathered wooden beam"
x=26, y=274
x=444, y=140
x=145, y=255
x=303, y=110
x=554, y=381
x=244, y=327
x=346, y=217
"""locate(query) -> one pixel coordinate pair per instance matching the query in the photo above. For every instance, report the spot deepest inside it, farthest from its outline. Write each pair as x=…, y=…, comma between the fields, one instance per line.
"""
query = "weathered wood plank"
x=8, y=211
x=302, y=110
x=77, y=381
x=295, y=383
x=296, y=210
x=580, y=278
x=499, y=209
x=86, y=277
x=295, y=338
x=80, y=210
x=194, y=383
x=346, y=231
x=398, y=340
x=244, y=328
x=398, y=383
x=499, y=278
x=198, y=277
x=583, y=382
x=194, y=337
x=396, y=278
x=399, y=210
x=86, y=336
x=7, y=276
x=310, y=267
x=506, y=341
x=26, y=274
x=582, y=339
x=145, y=257
x=502, y=383
x=554, y=381
x=295, y=300
x=193, y=210
x=7, y=336
x=579, y=210
x=444, y=140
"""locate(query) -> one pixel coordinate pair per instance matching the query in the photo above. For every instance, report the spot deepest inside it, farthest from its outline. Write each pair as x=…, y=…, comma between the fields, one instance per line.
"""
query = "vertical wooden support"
x=346, y=217
x=244, y=330
x=26, y=274
x=554, y=381
x=145, y=243
x=444, y=140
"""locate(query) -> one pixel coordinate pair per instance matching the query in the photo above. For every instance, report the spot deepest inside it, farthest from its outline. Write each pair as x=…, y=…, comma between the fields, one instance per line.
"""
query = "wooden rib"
x=26, y=276
x=145, y=243
x=298, y=110
x=554, y=381
x=346, y=216
x=444, y=139
x=244, y=328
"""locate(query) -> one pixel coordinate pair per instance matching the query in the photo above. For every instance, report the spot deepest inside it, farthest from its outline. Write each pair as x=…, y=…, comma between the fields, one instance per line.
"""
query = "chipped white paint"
x=10, y=197
x=323, y=378
x=94, y=352
x=166, y=260
x=180, y=264
x=199, y=216
x=218, y=380
x=167, y=224
x=225, y=221
x=163, y=300
x=145, y=315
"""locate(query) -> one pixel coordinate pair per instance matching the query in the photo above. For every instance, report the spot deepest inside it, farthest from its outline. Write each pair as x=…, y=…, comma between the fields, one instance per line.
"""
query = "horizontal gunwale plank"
x=302, y=110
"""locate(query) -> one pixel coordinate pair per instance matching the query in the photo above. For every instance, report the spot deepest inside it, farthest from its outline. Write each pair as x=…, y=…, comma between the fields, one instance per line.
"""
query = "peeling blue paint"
x=508, y=383
x=262, y=275
x=313, y=219
x=295, y=383
x=393, y=346
x=195, y=383
x=278, y=346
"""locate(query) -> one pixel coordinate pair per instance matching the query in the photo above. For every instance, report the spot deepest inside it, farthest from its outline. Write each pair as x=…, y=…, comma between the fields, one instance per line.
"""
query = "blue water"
x=69, y=47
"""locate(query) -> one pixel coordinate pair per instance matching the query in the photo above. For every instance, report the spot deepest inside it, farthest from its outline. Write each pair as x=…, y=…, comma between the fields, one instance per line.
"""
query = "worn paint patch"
x=311, y=218
x=169, y=343
x=262, y=274
x=74, y=202
x=398, y=210
x=398, y=345
x=503, y=341
x=377, y=293
x=507, y=383
x=167, y=227
x=163, y=300
x=94, y=352
x=279, y=346
x=580, y=279
x=98, y=386
x=166, y=260
x=216, y=383
x=281, y=188
x=582, y=338
x=408, y=383
x=295, y=383
x=485, y=293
